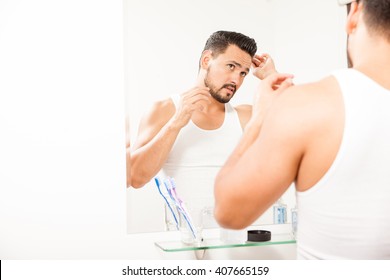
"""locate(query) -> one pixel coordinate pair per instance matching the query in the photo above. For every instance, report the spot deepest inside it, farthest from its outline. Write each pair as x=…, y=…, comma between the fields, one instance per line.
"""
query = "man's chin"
x=222, y=99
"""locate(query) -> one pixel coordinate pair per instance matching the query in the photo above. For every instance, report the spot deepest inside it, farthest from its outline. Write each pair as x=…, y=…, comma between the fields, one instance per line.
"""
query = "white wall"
x=62, y=169
x=309, y=37
x=62, y=163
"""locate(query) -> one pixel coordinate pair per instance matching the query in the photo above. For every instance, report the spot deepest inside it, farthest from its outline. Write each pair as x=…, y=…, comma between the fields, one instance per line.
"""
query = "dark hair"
x=220, y=40
x=376, y=14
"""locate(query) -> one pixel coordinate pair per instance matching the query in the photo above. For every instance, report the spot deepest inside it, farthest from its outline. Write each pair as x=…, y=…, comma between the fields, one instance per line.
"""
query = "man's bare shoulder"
x=153, y=120
x=311, y=103
x=161, y=110
x=314, y=89
x=163, y=105
x=319, y=94
x=159, y=113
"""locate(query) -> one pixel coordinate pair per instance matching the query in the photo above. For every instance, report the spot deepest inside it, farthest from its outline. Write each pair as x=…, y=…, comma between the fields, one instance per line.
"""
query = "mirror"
x=163, y=44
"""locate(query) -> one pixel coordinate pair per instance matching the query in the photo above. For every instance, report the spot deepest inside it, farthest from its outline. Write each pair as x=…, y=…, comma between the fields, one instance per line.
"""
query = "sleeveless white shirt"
x=346, y=215
x=197, y=155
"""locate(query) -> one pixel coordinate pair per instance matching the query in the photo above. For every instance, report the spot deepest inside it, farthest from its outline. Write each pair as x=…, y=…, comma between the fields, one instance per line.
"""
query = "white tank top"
x=346, y=215
x=198, y=154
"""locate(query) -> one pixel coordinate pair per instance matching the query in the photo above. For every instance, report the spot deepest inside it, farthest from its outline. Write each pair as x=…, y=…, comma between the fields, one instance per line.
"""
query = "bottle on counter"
x=280, y=212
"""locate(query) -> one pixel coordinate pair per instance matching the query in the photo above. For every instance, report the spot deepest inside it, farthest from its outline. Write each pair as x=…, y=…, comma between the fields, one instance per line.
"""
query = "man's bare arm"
x=250, y=181
x=158, y=131
x=156, y=136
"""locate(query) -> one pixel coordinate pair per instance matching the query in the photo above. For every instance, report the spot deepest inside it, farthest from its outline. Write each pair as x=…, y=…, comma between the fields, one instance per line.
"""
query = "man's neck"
x=374, y=61
x=214, y=107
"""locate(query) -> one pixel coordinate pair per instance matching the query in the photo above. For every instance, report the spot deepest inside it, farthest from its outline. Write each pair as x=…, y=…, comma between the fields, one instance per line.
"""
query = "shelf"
x=215, y=243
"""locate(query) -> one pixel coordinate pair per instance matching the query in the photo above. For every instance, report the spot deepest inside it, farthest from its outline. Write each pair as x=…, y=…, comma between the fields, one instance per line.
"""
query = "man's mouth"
x=230, y=88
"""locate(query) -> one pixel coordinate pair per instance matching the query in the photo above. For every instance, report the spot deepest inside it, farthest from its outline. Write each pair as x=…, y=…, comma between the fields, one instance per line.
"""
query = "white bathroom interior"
x=73, y=71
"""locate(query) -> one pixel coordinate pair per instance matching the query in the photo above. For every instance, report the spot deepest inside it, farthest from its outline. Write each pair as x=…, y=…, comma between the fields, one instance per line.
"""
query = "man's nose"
x=235, y=78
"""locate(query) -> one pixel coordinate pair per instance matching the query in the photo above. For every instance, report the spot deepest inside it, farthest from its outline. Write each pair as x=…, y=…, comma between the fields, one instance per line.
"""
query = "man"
x=190, y=135
x=331, y=138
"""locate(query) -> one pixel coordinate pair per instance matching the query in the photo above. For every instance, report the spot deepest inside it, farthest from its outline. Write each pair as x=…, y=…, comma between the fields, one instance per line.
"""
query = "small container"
x=259, y=235
x=280, y=212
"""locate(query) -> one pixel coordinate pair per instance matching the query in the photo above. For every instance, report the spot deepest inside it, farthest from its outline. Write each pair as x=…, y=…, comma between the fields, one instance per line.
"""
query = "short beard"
x=215, y=93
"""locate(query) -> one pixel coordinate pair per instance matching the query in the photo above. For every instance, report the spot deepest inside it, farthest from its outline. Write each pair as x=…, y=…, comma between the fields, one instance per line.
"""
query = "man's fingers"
x=285, y=84
x=193, y=97
x=196, y=91
x=198, y=98
x=277, y=78
x=262, y=58
x=256, y=62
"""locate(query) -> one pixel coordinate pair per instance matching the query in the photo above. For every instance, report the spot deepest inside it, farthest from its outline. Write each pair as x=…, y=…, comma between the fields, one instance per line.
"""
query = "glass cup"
x=191, y=223
x=169, y=220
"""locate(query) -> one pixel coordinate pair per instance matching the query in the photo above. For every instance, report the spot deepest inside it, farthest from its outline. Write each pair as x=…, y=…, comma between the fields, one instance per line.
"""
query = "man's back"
x=346, y=213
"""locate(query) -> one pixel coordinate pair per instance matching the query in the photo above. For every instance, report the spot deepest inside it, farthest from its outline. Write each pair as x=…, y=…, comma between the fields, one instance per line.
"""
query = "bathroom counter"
x=280, y=234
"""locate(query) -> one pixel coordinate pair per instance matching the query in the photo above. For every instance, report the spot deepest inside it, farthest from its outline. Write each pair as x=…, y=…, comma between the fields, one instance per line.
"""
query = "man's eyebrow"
x=239, y=65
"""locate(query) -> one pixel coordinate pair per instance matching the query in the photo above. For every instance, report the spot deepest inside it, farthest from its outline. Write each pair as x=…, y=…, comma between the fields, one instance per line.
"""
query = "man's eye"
x=243, y=74
x=231, y=66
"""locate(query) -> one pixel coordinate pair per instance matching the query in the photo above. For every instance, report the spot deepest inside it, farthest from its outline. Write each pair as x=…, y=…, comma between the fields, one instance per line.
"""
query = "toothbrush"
x=174, y=194
x=171, y=188
x=158, y=183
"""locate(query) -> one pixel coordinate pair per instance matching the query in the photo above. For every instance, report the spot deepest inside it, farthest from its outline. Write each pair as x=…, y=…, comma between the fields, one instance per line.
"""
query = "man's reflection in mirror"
x=188, y=136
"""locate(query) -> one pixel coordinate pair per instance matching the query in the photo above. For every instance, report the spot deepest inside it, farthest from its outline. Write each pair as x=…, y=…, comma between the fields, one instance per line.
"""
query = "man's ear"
x=353, y=17
x=206, y=59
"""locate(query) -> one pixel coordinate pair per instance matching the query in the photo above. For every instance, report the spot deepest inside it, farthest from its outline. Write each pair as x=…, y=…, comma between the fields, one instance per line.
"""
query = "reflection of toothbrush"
x=171, y=188
x=174, y=193
x=158, y=183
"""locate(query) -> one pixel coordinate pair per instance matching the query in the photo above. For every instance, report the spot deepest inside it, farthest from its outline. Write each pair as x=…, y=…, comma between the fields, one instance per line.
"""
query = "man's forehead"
x=235, y=54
